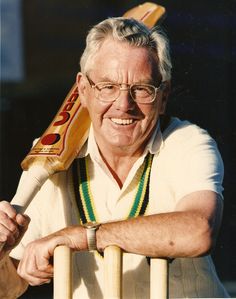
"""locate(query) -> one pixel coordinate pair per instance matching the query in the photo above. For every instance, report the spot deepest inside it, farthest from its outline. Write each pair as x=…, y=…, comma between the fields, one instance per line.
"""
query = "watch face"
x=92, y=224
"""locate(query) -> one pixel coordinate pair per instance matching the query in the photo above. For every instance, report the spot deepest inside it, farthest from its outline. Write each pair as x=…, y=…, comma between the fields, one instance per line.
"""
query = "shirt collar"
x=155, y=142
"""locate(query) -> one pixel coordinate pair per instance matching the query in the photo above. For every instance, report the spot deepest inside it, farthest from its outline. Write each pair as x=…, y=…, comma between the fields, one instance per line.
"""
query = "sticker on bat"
x=50, y=139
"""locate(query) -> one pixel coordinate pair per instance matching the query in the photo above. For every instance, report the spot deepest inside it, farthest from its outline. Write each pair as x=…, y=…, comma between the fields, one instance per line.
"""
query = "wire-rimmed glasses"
x=140, y=92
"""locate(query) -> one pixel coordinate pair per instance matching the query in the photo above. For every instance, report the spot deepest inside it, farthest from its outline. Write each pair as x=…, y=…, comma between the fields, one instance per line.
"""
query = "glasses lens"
x=107, y=91
x=143, y=93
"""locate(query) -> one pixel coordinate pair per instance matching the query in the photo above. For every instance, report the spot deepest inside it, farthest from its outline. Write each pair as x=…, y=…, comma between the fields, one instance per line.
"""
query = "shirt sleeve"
x=199, y=166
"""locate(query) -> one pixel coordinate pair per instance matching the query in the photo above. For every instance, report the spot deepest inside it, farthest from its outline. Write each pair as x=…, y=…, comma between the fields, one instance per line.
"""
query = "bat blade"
x=148, y=13
x=62, y=141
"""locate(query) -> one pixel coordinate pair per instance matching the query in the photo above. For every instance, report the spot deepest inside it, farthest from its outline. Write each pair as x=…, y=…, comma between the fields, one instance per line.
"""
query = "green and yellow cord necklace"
x=84, y=195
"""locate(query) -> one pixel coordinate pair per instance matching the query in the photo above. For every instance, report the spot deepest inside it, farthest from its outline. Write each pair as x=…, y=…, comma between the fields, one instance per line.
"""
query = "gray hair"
x=134, y=33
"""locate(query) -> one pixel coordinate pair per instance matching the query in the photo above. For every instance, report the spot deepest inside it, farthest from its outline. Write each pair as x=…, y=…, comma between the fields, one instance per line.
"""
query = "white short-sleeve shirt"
x=186, y=159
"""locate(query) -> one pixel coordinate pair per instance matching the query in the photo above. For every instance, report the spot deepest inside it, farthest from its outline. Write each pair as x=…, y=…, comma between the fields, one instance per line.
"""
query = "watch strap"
x=91, y=235
x=91, y=238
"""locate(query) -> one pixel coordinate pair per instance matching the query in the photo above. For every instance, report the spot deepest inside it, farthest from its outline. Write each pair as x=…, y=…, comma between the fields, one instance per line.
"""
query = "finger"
x=35, y=277
x=22, y=220
x=8, y=209
x=3, y=234
x=39, y=282
x=43, y=265
x=7, y=236
x=9, y=231
x=8, y=222
x=35, y=264
x=29, y=271
x=23, y=223
x=31, y=274
x=35, y=281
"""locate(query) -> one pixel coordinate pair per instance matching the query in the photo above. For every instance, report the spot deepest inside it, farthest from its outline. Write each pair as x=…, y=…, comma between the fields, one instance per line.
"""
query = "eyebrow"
x=107, y=79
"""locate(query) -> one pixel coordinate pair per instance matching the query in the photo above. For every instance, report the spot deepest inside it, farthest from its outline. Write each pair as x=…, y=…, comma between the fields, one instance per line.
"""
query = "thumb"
x=23, y=220
x=23, y=223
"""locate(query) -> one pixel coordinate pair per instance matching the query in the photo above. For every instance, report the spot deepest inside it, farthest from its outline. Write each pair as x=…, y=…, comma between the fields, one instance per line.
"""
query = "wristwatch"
x=91, y=228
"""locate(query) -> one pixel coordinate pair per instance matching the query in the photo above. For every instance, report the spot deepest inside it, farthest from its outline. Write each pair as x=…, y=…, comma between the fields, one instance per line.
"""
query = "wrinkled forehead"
x=114, y=54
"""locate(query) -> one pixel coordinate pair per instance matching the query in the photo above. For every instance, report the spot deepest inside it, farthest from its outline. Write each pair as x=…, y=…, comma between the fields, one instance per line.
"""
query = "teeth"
x=120, y=121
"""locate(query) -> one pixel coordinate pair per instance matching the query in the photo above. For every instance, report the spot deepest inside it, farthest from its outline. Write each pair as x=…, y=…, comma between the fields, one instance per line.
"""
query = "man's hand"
x=36, y=265
x=12, y=227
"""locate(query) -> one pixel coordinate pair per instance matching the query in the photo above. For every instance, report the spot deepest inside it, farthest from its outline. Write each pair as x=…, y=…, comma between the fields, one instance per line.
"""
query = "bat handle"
x=31, y=184
x=113, y=272
x=34, y=179
x=62, y=281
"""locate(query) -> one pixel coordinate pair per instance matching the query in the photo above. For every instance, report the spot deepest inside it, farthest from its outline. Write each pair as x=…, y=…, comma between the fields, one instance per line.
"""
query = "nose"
x=124, y=102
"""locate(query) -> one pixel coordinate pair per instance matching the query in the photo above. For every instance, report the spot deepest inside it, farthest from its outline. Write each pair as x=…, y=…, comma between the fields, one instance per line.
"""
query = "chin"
x=120, y=141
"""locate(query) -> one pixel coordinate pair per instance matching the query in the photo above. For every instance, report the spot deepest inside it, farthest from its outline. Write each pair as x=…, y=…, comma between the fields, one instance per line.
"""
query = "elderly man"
x=151, y=184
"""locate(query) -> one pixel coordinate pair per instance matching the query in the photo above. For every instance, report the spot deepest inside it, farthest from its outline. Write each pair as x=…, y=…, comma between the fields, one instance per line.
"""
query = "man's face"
x=122, y=124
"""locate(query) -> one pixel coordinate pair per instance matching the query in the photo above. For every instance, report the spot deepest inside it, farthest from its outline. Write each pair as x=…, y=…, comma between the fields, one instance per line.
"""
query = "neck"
x=120, y=160
x=120, y=164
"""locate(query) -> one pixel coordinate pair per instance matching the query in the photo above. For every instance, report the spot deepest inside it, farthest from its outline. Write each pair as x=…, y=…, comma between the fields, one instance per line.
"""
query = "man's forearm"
x=177, y=234
x=11, y=284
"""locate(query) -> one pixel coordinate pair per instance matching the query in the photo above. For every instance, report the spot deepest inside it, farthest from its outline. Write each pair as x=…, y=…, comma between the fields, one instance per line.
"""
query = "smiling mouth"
x=124, y=122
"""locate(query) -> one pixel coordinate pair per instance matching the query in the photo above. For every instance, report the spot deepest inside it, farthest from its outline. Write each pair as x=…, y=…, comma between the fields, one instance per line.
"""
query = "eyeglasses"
x=110, y=92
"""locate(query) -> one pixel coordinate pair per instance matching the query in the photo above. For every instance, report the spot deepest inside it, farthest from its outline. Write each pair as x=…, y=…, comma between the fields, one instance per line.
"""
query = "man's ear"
x=82, y=88
x=165, y=96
